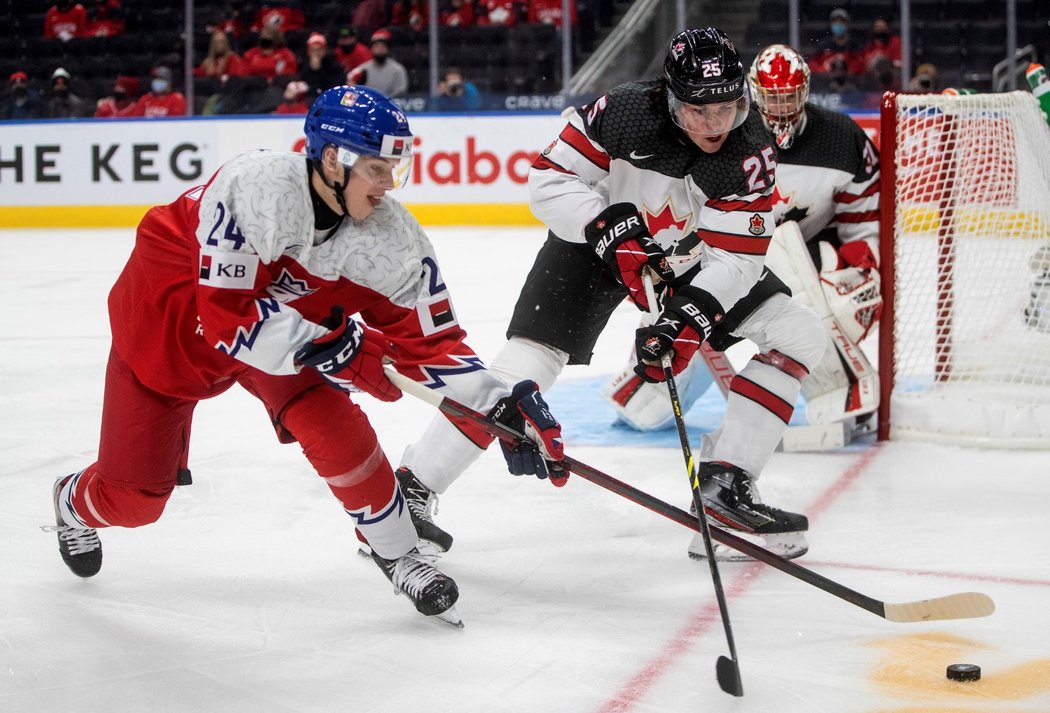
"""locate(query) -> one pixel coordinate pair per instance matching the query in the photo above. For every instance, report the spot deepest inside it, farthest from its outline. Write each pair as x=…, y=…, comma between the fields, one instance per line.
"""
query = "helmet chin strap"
x=338, y=188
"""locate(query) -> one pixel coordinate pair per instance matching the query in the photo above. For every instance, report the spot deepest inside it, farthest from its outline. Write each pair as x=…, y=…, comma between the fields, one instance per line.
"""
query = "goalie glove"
x=686, y=321
x=620, y=237
x=526, y=412
x=853, y=291
x=351, y=357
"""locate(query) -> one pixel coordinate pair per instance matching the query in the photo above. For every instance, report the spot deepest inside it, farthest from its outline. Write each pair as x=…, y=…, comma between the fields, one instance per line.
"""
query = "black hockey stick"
x=965, y=605
x=727, y=670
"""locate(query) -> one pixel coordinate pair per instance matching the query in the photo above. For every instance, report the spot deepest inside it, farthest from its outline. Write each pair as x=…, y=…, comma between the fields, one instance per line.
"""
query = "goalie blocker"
x=841, y=388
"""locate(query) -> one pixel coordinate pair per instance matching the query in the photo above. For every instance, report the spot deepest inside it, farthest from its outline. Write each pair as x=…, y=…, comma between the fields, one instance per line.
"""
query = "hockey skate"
x=731, y=500
x=422, y=504
x=433, y=593
x=80, y=547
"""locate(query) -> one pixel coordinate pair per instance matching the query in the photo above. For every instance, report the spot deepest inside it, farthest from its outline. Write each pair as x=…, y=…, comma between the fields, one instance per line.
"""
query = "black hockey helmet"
x=702, y=67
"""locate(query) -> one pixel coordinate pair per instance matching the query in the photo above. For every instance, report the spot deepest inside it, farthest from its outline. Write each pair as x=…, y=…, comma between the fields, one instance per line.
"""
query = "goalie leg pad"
x=644, y=406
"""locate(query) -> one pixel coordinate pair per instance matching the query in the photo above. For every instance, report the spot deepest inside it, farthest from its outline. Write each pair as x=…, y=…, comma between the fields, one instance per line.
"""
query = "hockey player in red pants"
x=253, y=279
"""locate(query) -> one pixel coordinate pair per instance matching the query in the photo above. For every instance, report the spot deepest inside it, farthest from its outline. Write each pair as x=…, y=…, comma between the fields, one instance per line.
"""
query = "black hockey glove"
x=686, y=321
x=620, y=237
x=526, y=412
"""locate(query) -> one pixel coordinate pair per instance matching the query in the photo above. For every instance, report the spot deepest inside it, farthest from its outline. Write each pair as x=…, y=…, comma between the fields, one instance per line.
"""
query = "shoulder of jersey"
x=633, y=127
x=721, y=173
x=830, y=140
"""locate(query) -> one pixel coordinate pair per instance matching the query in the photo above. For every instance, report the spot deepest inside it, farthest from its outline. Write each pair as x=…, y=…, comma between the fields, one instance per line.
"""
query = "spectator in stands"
x=348, y=51
x=548, y=12
x=455, y=93
x=125, y=92
x=65, y=20
x=221, y=60
x=321, y=70
x=840, y=80
x=370, y=16
x=233, y=22
x=926, y=80
x=382, y=72
x=283, y=16
x=460, y=13
x=497, y=12
x=61, y=102
x=297, y=98
x=886, y=77
x=413, y=14
x=21, y=102
x=839, y=45
x=271, y=57
x=160, y=100
x=882, y=44
x=105, y=19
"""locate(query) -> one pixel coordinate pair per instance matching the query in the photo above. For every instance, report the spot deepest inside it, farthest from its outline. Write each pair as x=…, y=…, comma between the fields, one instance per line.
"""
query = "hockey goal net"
x=964, y=345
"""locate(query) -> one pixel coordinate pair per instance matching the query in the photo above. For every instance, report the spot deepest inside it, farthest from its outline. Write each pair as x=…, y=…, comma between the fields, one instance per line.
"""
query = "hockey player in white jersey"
x=675, y=176
x=257, y=279
x=827, y=189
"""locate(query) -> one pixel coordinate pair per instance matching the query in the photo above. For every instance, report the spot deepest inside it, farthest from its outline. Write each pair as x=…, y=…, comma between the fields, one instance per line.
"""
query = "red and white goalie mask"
x=779, y=80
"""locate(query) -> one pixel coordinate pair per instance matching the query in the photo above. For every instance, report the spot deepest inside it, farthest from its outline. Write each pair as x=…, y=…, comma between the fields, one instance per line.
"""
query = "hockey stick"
x=726, y=669
x=965, y=605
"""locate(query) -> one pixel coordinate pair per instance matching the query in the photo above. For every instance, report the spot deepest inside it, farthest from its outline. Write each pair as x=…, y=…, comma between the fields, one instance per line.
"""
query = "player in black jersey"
x=827, y=184
x=676, y=176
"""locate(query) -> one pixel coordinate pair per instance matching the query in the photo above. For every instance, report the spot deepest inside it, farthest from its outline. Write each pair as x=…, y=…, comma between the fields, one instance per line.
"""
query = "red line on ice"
x=639, y=685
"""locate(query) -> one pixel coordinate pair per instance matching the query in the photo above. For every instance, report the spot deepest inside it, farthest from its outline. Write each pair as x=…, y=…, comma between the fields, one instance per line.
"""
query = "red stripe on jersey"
x=545, y=164
x=761, y=204
x=763, y=397
x=843, y=197
x=864, y=217
x=579, y=141
x=734, y=243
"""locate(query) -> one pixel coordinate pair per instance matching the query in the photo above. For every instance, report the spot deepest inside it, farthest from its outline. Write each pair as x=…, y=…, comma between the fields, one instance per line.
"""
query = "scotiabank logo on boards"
x=467, y=165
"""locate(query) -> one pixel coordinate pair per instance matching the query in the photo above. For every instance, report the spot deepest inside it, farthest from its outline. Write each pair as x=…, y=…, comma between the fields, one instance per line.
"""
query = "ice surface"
x=248, y=597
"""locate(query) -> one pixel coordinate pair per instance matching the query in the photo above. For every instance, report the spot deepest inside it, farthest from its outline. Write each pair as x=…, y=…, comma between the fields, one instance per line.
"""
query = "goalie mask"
x=779, y=81
x=359, y=121
x=706, y=92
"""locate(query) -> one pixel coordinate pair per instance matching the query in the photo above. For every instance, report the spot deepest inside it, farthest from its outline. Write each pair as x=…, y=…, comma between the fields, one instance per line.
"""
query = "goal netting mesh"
x=970, y=270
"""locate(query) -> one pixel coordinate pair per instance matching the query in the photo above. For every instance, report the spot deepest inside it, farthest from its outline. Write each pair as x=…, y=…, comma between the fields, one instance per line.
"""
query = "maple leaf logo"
x=666, y=218
x=758, y=225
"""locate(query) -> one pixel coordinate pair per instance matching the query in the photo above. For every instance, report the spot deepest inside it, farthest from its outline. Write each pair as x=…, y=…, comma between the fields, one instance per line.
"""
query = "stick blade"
x=967, y=605
x=728, y=674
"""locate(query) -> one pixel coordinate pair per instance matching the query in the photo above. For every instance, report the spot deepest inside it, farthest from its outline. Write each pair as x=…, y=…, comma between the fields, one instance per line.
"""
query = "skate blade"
x=450, y=616
x=788, y=545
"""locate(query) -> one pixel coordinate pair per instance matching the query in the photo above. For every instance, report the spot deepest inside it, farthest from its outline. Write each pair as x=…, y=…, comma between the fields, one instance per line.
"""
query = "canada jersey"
x=708, y=210
x=829, y=178
x=229, y=275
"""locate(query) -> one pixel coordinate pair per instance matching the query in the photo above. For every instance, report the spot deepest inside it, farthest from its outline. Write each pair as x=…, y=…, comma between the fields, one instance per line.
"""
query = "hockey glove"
x=351, y=356
x=620, y=237
x=526, y=412
x=686, y=321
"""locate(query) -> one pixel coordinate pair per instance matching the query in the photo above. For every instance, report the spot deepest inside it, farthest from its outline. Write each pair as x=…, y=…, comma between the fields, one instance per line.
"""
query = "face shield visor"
x=706, y=120
x=391, y=169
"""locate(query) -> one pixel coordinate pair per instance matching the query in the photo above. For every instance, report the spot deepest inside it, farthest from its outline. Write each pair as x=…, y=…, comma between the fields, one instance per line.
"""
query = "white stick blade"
x=967, y=605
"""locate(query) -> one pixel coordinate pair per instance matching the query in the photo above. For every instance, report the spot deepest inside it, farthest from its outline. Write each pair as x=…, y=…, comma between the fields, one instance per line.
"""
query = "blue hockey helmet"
x=359, y=121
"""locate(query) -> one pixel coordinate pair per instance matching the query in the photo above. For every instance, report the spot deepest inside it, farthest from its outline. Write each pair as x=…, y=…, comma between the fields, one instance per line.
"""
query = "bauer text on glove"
x=620, y=237
x=687, y=320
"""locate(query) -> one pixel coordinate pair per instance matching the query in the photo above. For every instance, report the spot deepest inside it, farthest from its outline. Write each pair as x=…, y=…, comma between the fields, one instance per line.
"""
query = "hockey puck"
x=964, y=672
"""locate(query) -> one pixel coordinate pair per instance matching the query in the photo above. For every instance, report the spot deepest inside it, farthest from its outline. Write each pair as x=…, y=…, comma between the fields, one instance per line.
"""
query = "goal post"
x=964, y=340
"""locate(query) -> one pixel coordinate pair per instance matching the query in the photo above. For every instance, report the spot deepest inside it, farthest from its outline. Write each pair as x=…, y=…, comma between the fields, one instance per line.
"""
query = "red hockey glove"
x=856, y=254
x=526, y=412
x=620, y=237
x=686, y=321
x=352, y=356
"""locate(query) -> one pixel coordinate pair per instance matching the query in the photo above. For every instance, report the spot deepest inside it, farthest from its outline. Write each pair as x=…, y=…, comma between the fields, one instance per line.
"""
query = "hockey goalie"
x=824, y=250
